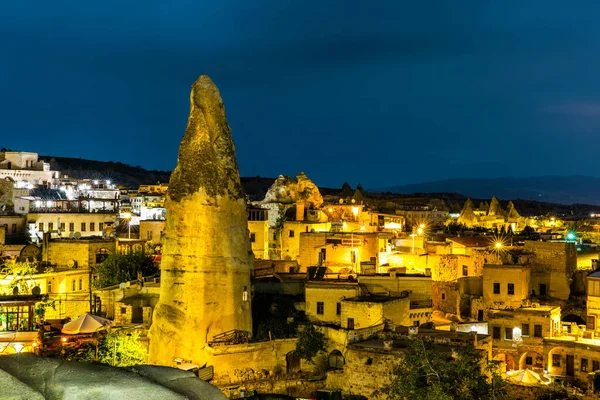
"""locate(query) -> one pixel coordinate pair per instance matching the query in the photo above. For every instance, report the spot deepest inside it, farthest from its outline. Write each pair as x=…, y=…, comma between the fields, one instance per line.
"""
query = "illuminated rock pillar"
x=206, y=261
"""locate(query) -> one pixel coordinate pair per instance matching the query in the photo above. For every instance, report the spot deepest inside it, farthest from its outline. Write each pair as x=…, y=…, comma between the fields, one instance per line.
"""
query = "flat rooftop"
x=374, y=299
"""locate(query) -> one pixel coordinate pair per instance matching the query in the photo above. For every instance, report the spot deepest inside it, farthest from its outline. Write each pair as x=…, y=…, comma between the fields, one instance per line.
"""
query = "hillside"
x=406, y=196
x=574, y=189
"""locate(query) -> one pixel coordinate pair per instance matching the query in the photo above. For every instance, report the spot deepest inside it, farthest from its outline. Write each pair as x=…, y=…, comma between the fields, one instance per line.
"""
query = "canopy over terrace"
x=87, y=323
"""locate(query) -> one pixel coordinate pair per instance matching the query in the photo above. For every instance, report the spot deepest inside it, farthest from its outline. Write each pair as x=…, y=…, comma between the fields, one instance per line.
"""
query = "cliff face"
x=206, y=262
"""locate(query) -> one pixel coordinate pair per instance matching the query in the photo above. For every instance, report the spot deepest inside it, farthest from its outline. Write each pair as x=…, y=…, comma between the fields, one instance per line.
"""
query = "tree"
x=20, y=275
x=121, y=267
x=310, y=343
x=426, y=374
x=117, y=348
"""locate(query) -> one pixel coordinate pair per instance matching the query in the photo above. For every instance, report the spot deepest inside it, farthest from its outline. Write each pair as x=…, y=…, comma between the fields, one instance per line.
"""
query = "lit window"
x=584, y=364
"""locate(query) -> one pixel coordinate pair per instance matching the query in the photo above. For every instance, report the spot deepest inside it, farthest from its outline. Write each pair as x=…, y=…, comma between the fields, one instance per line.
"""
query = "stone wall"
x=446, y=297
x=552, y=264
x=152, y=231
x=295, y=387
x=365, y=371
x=83, y=252
x=251, y=362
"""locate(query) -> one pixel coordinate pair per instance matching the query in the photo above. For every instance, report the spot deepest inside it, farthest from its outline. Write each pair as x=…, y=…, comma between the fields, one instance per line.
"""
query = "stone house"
x=518, y=335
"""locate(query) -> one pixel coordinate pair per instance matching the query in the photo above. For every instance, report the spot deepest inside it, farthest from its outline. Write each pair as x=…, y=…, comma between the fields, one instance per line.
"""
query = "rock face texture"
x=29, y=377
x=207, y=260
x=300, y=189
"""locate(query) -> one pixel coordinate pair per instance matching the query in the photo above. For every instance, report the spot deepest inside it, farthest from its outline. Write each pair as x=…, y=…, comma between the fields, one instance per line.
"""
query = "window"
x=100, y=226
x=83, y=227
x=49, y=287
x=275, y=236
x=511, y=288
x=323, y=254
x=350, y=323
x=496, y=332
x=320, y=308
x=62, y=226
x=595, y=365
x=525, y=330
x=537, y=331
x=149, y=234
x=556, y=360
x=443, y=296
x=291, y=233
x=101, y=255
x=252, y=237
x=14, y=228
x=92, y=226
x=73, y=285
x=71, y=226
x=529, y=360
x=542, y=289
x=41, y=227
x=416, y=323
x=50, y=226
x=465, y=270
x=496, y=288
x=591, y=322
x=123, y=310
x=338, y=309
x=81, y=284
x=353, y=256
x=508, y=333
x=584, y=364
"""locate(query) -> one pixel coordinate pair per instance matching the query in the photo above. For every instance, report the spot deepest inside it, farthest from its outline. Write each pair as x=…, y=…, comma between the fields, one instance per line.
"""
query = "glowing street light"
x=498, y=245
x=571, y=236
x=127, y=216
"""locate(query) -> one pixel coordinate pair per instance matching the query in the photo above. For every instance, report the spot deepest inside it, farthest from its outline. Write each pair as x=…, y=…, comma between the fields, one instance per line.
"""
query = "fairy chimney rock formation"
x=206, y=261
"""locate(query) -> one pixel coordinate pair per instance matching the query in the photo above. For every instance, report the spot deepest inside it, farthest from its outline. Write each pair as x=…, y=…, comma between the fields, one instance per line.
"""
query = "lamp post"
x=128, y=216
x=419, y=231
x=353, y=256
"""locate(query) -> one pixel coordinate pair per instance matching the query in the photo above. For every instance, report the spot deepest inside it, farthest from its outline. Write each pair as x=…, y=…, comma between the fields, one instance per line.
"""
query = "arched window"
x=80, y=284
x=336, y=360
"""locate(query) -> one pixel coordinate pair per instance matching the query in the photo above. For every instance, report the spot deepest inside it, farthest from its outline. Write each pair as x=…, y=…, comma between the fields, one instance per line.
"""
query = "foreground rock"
x=27, y=376
x=206, y=261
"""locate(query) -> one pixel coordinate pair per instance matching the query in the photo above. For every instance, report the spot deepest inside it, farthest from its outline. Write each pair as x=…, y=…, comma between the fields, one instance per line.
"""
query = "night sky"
x=375, y=92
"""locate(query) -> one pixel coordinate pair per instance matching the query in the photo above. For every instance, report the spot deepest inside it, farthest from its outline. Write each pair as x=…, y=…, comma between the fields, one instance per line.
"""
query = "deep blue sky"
x=375, y=92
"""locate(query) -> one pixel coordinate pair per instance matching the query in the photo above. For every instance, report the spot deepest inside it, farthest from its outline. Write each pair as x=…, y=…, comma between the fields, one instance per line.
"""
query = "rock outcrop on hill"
x=206, y=260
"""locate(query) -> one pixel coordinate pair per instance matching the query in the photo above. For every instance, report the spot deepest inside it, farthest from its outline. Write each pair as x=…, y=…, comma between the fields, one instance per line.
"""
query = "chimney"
x=300, y=211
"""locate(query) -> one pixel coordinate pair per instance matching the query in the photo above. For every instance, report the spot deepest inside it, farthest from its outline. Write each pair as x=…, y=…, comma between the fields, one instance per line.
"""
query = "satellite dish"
x=36, y=291
x=72, y=264
x=77, y=235
x=70, y=235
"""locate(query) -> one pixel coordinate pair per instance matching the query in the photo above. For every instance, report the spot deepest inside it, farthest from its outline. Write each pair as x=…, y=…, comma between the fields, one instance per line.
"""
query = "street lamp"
x=353, y=255
x=128, y=216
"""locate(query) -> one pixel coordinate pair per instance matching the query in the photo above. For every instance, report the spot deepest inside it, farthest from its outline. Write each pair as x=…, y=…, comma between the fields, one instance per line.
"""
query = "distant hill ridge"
x=574, y=189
